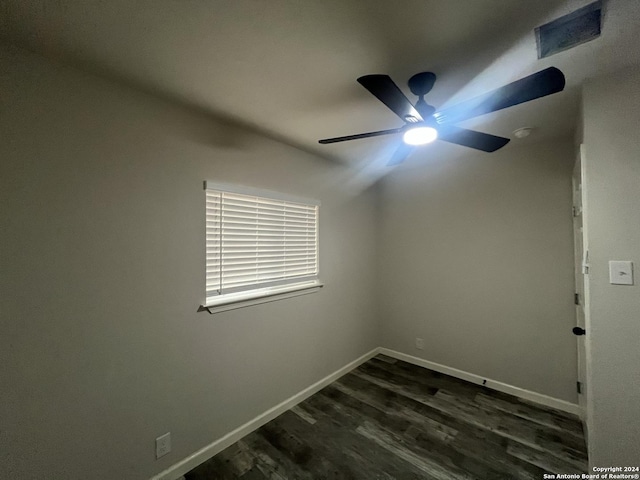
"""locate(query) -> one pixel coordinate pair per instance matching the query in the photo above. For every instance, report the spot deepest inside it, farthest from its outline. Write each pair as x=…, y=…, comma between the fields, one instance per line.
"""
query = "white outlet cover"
x=163, y=445
x=419, y=343
x=620, y=272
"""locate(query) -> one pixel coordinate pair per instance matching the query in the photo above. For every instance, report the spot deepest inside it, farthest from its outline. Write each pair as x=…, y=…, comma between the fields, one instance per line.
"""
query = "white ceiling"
x=288, y=67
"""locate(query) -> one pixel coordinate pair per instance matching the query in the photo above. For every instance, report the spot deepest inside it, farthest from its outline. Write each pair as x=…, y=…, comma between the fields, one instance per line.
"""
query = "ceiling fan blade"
x=360, y=135
x=385, y=90
x=541, y=84
x=471, y=138
x=401, y=154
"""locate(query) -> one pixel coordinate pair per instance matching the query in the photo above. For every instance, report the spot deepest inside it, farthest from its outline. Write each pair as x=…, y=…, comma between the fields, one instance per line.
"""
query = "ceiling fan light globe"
x=420, y=135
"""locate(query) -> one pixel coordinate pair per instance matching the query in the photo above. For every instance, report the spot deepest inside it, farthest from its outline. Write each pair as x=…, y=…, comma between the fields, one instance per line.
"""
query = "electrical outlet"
x=163, y=445
x=419, y=343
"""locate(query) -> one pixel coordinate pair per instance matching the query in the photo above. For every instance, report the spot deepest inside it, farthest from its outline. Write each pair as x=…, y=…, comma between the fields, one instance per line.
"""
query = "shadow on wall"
x=217, y=133
x=227, y=132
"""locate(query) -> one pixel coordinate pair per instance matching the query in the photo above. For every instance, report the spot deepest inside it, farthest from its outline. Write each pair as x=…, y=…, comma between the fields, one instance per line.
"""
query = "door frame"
x=581, y=260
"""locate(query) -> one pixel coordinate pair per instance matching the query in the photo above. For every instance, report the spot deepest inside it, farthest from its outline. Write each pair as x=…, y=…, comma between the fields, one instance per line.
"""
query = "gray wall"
x=102, y=247
x=102, y=254
x=611, y=108
x=477, y=260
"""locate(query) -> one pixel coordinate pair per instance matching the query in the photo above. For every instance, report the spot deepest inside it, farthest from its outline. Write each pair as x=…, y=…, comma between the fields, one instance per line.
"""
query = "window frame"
x=253, y=296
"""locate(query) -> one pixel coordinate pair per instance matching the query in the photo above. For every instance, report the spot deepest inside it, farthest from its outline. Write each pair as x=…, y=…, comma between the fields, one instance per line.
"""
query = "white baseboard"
x=493, y=384
x=175, y=471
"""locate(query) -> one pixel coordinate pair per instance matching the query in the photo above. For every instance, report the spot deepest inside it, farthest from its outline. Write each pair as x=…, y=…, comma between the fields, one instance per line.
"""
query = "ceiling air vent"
x=570, y=30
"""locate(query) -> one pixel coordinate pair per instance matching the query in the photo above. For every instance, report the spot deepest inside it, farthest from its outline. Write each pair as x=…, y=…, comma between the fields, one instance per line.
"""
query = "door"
x=581, y=271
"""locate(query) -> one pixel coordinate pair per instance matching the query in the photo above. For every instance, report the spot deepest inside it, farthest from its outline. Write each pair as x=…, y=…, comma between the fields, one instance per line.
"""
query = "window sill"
x=248, y=299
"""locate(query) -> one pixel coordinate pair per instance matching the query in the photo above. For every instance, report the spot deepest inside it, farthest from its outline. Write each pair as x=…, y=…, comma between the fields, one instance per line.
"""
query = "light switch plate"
x=620, y=272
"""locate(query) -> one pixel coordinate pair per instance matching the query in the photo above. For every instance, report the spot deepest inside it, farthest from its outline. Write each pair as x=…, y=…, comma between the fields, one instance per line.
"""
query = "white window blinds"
x=254, y=241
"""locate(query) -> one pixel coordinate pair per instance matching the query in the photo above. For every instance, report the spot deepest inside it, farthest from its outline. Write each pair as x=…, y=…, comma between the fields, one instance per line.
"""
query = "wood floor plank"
x=473, y=441
x=550, y=463
x=450, y=414
x=347, y=455
x=391, y=443
x=388, y=419
x=528, y=412
x=393, y=408
x=437, y=462
x=490, y=449
x=524, y=431
x=303, y=414
x=385, y=372
x=462, y=406
x=289, y=450
x=231, y=463
x=347, y=411
x=454, y=462
x=413, y=373
x=474, y=416
x=252, y=474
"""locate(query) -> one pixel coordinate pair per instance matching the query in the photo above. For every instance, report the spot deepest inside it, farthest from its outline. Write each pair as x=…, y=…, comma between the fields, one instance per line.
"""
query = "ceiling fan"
x=423, y=124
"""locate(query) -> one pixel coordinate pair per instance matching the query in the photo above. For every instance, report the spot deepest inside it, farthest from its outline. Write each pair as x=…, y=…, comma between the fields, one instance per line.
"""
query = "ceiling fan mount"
x=439, y=124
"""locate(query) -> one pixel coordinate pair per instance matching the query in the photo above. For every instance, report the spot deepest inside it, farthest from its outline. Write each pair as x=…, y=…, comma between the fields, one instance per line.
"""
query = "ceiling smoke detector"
x=522, y=132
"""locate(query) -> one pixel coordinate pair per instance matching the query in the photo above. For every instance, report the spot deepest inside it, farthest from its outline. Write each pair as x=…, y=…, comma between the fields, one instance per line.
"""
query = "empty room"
x=304, y=239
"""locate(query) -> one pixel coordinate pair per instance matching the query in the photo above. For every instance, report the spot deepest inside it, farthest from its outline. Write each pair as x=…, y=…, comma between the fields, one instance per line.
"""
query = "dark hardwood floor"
x=389, y=419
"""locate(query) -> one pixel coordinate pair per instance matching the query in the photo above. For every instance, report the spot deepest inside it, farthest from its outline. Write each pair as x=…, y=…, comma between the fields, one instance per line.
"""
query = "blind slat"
x=253, y=259
x=229, y=270
x=232, y=253
x=237, y=282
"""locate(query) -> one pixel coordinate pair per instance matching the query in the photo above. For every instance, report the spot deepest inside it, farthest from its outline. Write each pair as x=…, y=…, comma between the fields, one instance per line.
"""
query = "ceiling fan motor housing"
x=422, y=83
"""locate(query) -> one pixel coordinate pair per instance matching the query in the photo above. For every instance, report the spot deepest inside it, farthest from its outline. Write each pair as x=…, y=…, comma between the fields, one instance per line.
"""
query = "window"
x=258, y=244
